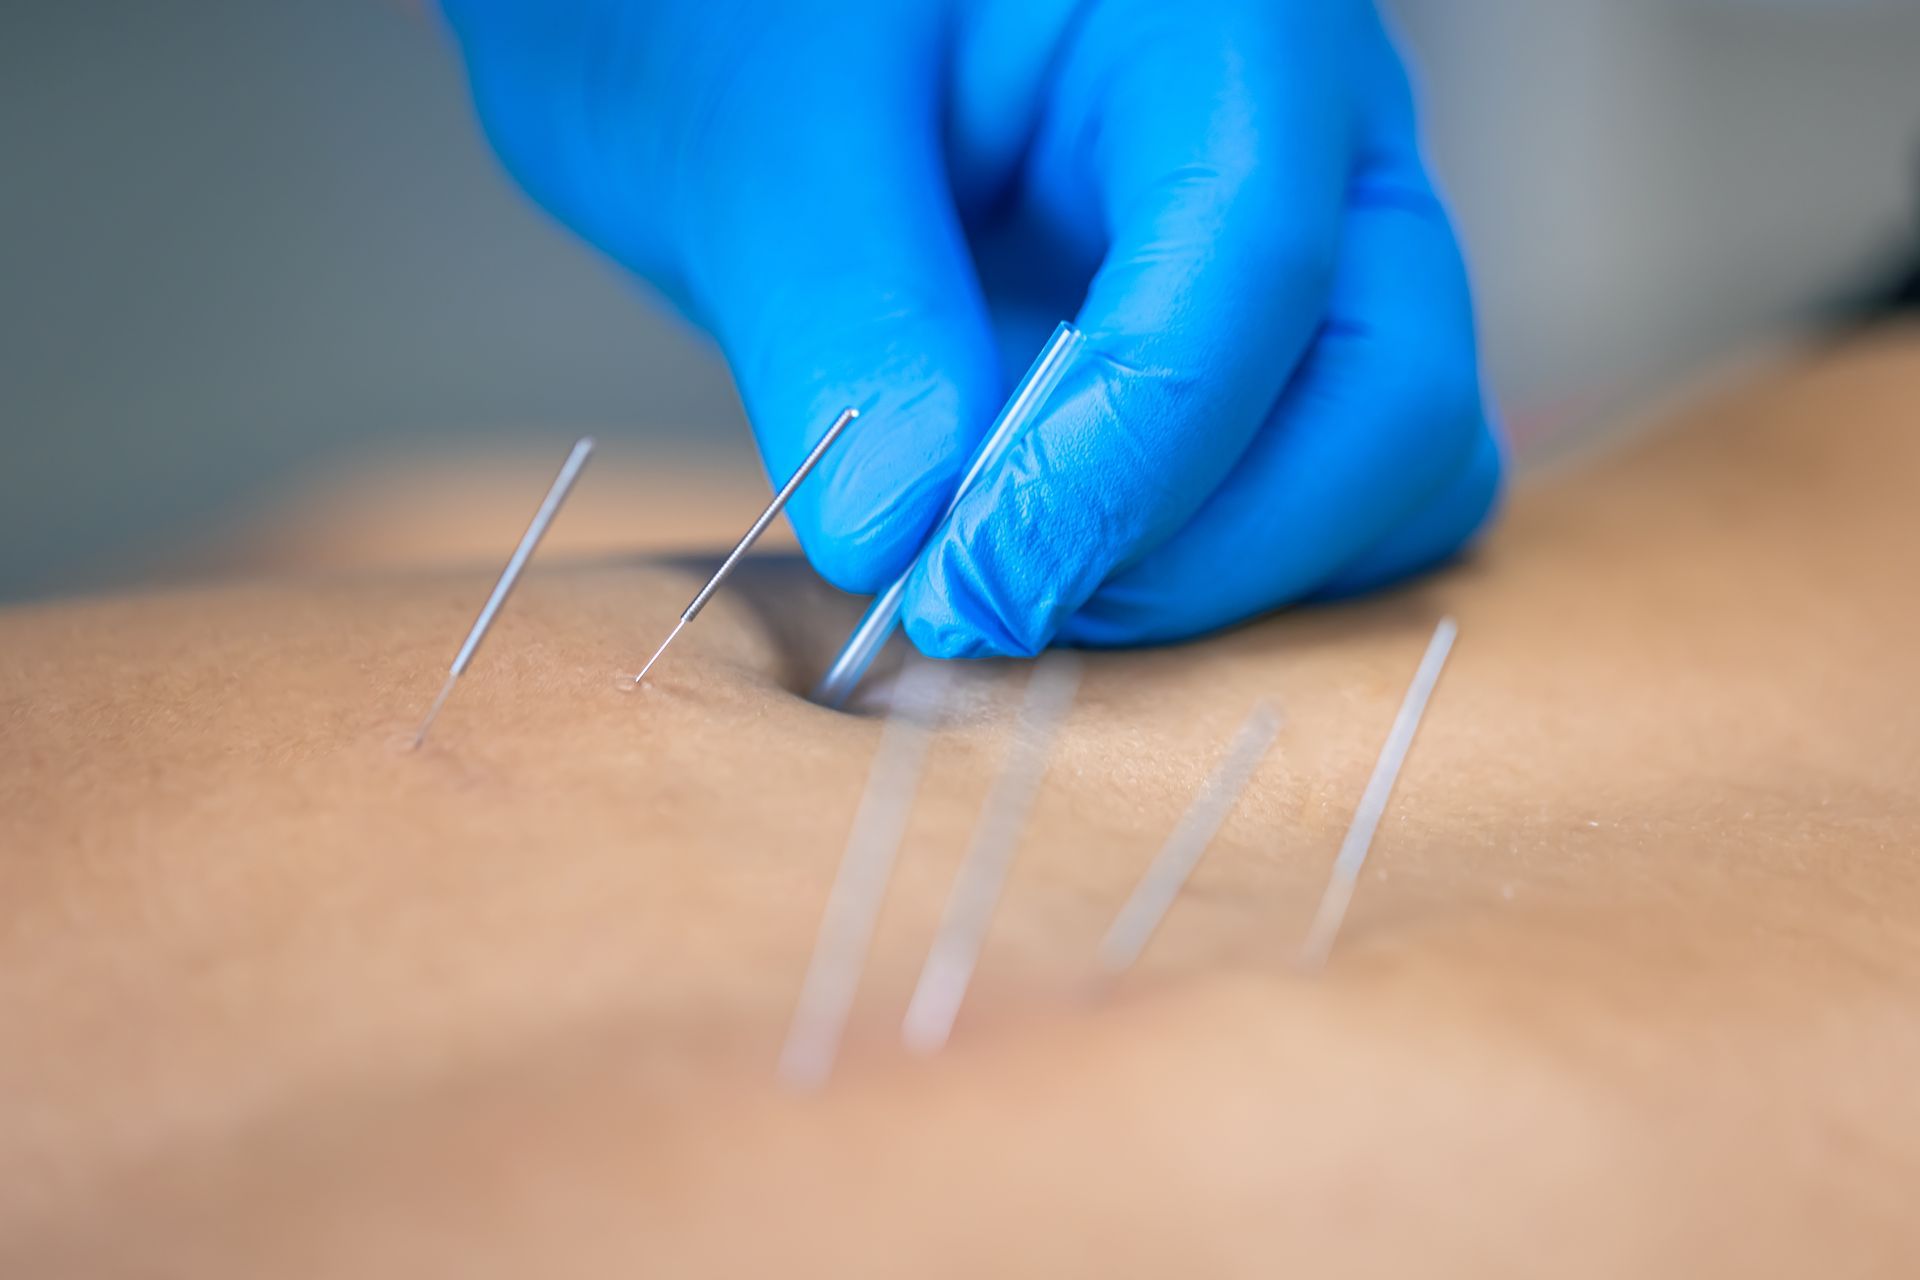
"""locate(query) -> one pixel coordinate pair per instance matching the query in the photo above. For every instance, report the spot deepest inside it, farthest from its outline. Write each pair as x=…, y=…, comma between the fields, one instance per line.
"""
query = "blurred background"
x=244, y=246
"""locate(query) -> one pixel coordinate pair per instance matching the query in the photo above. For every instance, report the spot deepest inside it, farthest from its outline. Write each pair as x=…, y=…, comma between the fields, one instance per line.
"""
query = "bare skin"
x=1631, y=985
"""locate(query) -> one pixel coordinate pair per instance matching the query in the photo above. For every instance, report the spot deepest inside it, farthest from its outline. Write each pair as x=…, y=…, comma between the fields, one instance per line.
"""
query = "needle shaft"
x=1167, y=875
x=536, y=530
x=752, y=535
x=860, y=885
x=883, y=614
x=1373, y=801
x=983, y=873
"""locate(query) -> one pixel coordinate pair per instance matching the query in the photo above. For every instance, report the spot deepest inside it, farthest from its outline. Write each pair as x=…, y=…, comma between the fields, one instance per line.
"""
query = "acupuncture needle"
x=1020, y=411
x=752, y=535
x=1174, y=864
x=860, y=884
x=1373, y=801
x=983, y=872
x=536, y=530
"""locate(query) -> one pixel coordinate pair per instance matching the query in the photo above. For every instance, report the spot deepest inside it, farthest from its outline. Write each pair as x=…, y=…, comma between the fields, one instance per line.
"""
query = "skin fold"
x=1631, y=985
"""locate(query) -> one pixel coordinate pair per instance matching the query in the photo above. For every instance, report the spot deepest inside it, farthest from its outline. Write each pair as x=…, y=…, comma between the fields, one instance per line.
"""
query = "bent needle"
x=752, y=535
x=549, y=506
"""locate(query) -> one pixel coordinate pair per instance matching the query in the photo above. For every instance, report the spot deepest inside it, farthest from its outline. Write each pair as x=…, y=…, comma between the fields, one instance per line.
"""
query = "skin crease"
x=1631, y=985
x=890, y=203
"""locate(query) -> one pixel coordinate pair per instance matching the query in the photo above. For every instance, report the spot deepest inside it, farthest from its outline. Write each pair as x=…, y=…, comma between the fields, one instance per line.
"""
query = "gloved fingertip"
x=861, y=542
x=1091, y=631
x=953, y=610
x=1435, y=535
x=864, y=515
x=938, y=637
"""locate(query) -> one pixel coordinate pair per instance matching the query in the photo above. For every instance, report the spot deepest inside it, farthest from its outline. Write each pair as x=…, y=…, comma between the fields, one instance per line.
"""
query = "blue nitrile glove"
x=889, y=203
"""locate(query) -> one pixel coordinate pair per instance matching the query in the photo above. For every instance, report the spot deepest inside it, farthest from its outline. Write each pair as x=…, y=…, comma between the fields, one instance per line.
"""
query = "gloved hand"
x=888, y=203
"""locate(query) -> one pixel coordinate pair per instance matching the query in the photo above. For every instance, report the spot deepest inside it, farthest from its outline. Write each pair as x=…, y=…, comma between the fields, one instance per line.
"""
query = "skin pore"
x=1629, y=985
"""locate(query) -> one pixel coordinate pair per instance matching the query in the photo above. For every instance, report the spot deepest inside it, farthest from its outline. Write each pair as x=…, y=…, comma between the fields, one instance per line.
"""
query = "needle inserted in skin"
x=860, y=885
x=752, y=535
x=983, y=873
x=883, y=614
x=1170, y=869
x=536, y=530
x=1373, y=801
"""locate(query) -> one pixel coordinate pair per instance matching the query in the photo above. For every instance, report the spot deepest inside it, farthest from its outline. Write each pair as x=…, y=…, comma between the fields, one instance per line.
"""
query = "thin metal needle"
x=983, y=873
x=752, y=535
x=883, y=613
x=1373, y=801
x=536, y=530
x=1171, y=867
x=662, y=649
x=860, y=885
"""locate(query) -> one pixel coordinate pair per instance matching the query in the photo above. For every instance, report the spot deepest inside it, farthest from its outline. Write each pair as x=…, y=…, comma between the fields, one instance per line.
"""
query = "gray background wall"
x=240, y=240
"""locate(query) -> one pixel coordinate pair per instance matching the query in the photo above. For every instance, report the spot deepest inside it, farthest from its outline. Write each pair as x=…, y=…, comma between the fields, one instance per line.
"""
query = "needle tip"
x=662, y=649
x=440, y=701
